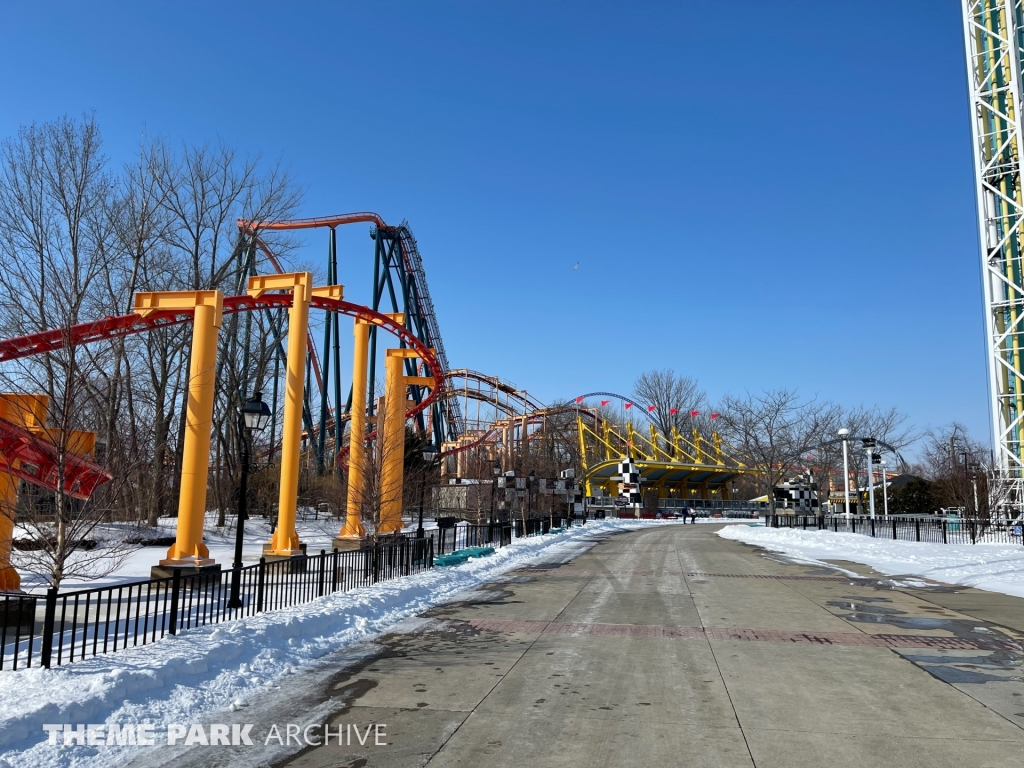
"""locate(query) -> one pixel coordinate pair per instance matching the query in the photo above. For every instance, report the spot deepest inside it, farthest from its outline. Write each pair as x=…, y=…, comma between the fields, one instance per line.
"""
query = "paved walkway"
x=673, y=647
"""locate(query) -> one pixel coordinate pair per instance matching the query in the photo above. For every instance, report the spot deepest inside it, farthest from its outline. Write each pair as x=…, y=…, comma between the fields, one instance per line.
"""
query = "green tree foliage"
x=915, y=497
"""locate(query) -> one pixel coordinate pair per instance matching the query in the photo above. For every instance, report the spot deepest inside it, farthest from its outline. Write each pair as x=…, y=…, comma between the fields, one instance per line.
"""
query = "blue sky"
x=758, y=194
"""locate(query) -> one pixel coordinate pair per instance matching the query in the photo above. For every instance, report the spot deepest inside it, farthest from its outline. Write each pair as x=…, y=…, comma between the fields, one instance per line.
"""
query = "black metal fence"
x=929, y=529
x=448, y=540
x=89, y=622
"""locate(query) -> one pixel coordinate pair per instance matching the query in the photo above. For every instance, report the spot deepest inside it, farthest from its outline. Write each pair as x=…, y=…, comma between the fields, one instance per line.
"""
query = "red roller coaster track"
x=22, y=448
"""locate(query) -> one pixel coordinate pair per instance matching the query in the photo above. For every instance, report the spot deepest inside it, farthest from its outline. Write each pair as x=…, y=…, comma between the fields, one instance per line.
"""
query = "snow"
x=219, y=668
x=316, y=534
x=991, y=567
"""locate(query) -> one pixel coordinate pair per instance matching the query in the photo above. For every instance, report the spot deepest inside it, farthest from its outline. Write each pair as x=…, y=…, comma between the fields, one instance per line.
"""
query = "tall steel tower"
x=993, y=37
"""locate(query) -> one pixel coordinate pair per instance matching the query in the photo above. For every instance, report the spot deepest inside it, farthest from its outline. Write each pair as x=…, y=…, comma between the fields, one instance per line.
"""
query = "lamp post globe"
x=253, y=418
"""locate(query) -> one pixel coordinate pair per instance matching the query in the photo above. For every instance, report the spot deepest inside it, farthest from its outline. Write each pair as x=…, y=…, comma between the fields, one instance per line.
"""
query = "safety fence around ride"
x=60, y=628
x=916, y=528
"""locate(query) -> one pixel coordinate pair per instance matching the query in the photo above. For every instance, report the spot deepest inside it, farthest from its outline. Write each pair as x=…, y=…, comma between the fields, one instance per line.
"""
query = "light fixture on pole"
x=531, y=478
x=869, y=448
x=254, y=417
x=429, y=454
x=974, y=482
x=496, y=469
x=885, y=487
x=843, y=435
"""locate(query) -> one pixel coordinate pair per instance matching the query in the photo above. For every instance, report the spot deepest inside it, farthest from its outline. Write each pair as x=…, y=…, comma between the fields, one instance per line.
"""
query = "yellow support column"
x=393, y=442
x=10, y=580
x=583, y=454
x=698, y=448
x=188, y=550
x=285, y=541
x=26, y=411
x=353, y=528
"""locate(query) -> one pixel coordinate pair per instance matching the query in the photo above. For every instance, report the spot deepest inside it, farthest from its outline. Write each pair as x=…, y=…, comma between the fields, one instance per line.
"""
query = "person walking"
x=686, y=513
x=693, y=516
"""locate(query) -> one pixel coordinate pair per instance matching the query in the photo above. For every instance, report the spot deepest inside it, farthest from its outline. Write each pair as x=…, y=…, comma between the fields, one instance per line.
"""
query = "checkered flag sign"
x=629, y=483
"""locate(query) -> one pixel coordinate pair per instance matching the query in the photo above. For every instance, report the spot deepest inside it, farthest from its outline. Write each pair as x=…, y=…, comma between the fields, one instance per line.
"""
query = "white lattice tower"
x=992, y=32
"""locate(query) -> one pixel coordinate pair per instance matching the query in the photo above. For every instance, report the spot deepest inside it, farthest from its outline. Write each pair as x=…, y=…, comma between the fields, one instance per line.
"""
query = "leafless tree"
x=673, y=396
x=772, y=431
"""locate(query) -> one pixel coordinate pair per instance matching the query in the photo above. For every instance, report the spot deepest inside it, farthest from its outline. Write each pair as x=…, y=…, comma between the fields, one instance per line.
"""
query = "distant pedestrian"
x=685, y=514
x=693, y=516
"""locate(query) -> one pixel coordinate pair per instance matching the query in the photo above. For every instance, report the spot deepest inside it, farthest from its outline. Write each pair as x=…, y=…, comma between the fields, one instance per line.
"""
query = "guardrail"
x=934, y=530
x=89, y=622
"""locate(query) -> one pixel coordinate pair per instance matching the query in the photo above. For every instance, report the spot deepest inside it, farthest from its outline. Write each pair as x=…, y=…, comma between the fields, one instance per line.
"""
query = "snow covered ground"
x=316, y=534
x=992, y=567
x=208, y=672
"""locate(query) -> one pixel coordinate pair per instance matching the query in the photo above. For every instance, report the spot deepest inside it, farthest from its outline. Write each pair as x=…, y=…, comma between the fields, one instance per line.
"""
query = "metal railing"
x=89, y=622
x=934, y=530
x=448, y=540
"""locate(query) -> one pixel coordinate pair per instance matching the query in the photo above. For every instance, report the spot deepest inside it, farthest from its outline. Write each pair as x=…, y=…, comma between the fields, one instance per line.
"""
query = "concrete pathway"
x=674, y=647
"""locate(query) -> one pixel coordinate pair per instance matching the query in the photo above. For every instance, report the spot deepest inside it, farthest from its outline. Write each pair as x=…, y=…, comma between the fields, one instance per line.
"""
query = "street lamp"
x=429, y=454
x=496, y=469
x=885, y=487
x=532, y=478
x=843, y=434
x=254, y=417
x=869, y=446
x=974, y=482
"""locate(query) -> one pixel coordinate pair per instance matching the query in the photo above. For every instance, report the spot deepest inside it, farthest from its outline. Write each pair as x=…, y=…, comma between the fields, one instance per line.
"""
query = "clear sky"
x=759, y=194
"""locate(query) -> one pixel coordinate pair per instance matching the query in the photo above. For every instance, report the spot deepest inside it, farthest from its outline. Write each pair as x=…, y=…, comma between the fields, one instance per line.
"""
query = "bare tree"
x=955, y=464
x=773, y=431
x=673, y=396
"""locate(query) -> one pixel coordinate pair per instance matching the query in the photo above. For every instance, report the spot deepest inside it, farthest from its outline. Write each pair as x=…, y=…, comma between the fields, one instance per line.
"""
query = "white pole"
x=871, y=480
x=846, y=472
x=885, y=489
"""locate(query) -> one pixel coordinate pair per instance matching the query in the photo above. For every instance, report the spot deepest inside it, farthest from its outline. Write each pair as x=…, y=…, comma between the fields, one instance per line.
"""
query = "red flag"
x=694, y=413
x=604, y=403
x=673, y=411
x=714, y=415
x=651, y=408
x=579, y=399
x=629, y=405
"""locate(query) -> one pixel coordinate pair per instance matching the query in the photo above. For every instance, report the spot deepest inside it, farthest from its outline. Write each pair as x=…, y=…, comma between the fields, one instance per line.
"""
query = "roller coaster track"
x=419, y=307
x=127, y=325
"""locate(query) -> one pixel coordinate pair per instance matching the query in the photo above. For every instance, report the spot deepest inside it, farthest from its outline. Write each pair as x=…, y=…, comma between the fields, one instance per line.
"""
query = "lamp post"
x=530, y=480
x=843, y=435
x=885, y=487
x=973, y=474
x=254, y=417
x=869, y=447
x=496, y=469
x=428, y=456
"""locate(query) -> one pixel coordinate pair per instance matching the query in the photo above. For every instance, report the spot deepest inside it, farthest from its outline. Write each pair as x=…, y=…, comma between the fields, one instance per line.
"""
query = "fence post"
x=261, y=576
x=943, y=531
x=49, y=616
x=872, y=527
x=172, y=620
x=917, y=529
x=974, y=532
x=894, y=536
x=320, y=579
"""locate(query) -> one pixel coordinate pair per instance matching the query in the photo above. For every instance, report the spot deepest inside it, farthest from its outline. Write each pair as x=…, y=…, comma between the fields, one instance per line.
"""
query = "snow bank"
x=181, y=678
x=992, y=567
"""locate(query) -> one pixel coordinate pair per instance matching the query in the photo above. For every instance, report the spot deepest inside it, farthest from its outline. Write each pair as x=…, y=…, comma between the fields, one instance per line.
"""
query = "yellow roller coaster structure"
x=673, y=465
